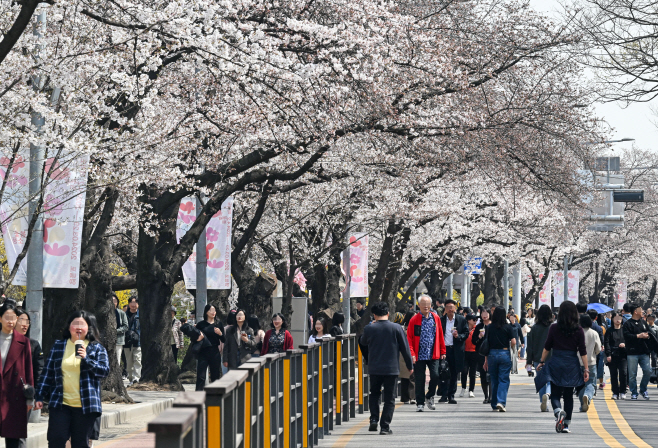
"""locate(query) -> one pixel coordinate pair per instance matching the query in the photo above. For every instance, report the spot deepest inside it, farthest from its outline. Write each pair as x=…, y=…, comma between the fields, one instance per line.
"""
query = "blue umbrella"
x=599, y=307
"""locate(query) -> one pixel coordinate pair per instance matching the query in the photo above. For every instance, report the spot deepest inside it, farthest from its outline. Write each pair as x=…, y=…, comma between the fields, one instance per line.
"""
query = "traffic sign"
x=473, y=266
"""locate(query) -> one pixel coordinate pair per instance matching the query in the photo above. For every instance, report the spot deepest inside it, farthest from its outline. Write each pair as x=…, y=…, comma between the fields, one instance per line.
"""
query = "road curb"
x=109, y=419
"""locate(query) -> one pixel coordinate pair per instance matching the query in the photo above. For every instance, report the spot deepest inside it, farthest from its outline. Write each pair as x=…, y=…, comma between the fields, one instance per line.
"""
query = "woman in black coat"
x=615, y=352
x=240, y=342
x=23, y=327
x=209, y=357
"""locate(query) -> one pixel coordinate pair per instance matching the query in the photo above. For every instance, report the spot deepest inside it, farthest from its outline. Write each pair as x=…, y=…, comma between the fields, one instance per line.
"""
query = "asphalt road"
x=470, y=423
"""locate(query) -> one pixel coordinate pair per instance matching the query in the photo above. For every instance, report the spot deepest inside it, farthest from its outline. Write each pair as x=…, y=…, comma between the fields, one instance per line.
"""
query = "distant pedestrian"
x=23, y=327
x=636, y=337
x=16, y=367
x=71, y=382
x=176, y=335
x=477, y=338
x=567, y=341
x=122, y=327
x=517, y=334
x=382, y=341
x=337, y=321
x=425, y=339
x=278, y=339
x=593, y=346
x=455, y=331
x=360, y=309
x=240, y=343
x=536, y=342
x=133, y=348
x=407, y=380
x=502, y=340
x=615, y=352
x=259, y=334
x=319, y=330
x=209, y=358
x=470, y=359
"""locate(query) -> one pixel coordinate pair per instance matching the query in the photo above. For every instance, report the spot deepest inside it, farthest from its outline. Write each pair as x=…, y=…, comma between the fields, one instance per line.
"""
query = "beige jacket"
x=593, y=345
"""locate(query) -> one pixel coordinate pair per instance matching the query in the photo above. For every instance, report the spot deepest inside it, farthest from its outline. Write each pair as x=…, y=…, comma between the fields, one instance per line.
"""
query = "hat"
x=173, y=308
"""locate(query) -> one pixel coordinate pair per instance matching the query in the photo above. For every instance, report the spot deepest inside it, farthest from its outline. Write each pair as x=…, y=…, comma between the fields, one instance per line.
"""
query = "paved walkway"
x=470, y=423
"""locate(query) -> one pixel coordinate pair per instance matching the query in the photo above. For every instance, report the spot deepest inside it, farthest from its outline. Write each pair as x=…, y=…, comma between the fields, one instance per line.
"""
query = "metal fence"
x=285, y=400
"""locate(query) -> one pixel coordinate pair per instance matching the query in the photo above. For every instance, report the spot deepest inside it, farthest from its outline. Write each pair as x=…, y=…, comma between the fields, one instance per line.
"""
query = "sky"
x=636, y=121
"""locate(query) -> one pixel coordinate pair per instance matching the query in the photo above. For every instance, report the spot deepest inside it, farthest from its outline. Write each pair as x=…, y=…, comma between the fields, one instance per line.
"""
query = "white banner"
x=358, y=265
x=558, y=291
x=218, y=244
x=545, y=293
x=622, y=293
x=64, y=206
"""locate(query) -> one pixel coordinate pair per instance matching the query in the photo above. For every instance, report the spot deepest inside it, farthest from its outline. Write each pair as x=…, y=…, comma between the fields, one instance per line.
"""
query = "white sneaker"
x=461, y=394
x=622, y=396
x=584, y=404
x=471, y=394
x=544, y=403
x=615, y=397
x=420, y=408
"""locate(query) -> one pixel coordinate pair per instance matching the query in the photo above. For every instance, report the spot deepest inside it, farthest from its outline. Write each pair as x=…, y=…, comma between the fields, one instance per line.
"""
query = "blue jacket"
x=92, y=368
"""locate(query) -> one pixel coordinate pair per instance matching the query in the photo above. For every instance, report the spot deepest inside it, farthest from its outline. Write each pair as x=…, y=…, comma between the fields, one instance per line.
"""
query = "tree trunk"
x=155, y=286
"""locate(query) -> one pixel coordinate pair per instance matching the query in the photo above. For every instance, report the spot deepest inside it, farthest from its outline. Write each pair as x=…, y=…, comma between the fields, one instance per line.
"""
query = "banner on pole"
x=358, y=265
x=622, y=293
x=545, y=293
x=218, y=244
x=558, y=289
x=63, y=216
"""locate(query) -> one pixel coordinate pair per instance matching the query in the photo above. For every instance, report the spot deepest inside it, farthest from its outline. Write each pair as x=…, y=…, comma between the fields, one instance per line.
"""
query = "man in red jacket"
x=425, y=336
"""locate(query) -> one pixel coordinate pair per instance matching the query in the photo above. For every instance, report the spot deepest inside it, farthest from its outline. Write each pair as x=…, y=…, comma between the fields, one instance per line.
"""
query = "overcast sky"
x=636, y=121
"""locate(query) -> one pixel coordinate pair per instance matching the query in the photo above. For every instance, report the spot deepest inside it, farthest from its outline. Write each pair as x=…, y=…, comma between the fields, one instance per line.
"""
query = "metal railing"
x=285, y=400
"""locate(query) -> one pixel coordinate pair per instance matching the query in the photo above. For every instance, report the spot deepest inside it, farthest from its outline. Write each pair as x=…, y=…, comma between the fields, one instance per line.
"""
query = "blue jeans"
x=500, y=365
x=590, y=385
x=544, y=390
x=600, y=366
x=525, y=344
x=645, y=364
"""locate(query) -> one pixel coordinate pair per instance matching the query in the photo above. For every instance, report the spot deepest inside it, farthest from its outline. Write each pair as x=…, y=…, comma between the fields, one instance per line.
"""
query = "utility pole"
x=566, y=279
x=34, y=297
x=506, y=285
x=347, y=306
x=516, y=288
x=201, y=263
x=451, y=282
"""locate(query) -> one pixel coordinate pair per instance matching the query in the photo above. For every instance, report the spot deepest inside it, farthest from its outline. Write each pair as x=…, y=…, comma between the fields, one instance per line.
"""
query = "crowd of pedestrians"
x=566, y=353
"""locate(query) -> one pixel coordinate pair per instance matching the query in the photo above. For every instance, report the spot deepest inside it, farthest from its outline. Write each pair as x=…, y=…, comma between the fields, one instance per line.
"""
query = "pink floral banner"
x=64, y=205
x=359, y=265
x=218, y=244
x=558, y=291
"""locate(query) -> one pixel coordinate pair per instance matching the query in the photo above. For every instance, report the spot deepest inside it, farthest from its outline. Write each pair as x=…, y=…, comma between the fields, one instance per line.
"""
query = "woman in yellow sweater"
x=71, y=382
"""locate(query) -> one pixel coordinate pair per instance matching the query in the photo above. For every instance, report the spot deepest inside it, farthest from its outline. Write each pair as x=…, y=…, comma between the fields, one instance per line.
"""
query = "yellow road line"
x=598, y=428
x=621, y=422
x=347, y=436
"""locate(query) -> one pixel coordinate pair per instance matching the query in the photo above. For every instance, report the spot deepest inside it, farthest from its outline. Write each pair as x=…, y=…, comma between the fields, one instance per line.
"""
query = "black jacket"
x=209, y=331
x=381, y=342
x=231, y=347
x=635, y=346
x=612, y=339
x=37, y=359
x=458, y=343
x=536, y=341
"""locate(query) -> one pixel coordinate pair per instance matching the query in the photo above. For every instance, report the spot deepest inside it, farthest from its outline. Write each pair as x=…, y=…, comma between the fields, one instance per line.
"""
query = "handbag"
x=484, y=347
x=444, y=375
